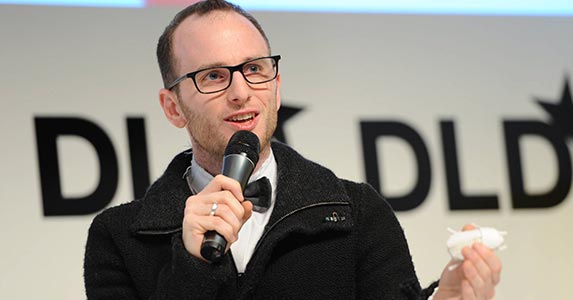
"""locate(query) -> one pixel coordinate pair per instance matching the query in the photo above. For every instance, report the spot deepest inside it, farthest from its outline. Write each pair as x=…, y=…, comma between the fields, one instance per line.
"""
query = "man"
x=320, y=238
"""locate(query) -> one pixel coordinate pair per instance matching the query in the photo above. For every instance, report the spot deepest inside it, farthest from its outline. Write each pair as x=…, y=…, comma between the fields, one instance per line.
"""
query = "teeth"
x=243, y=117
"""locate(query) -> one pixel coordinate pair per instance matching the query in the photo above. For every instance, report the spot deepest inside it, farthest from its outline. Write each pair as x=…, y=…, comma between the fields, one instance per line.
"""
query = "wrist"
x=442, y=294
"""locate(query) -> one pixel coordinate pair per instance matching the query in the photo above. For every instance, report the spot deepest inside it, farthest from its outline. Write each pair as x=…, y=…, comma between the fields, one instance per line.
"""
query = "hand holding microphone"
x=214, y=216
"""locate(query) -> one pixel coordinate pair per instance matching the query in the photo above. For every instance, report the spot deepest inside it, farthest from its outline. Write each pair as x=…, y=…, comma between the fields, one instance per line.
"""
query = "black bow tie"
x=259, y=193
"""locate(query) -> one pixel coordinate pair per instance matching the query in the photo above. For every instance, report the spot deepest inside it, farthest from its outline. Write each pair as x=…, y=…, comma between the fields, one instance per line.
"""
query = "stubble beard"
x=209, y=144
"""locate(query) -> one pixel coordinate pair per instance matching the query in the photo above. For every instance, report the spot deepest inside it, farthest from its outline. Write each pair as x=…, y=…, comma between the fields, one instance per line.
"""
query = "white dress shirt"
x=243, y=249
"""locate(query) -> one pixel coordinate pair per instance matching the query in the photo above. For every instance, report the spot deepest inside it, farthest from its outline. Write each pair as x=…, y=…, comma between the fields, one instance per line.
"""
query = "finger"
x=220, y=226
x=225, y=213
x=228, y=208
x=229, y=201
x=224, y=183
x=197, y=223
x=482, y=270
x=248, y=210
x=195, y=227
x=468, y=227
x=467, y=291
x=479, y=286
x=492, y=261
x=201, y=205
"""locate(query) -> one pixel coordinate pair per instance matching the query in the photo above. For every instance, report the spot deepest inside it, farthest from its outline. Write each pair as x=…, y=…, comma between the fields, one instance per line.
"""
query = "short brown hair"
x=165, y=56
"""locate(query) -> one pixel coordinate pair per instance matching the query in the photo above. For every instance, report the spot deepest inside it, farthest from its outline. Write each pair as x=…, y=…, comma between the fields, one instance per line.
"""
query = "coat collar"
x=300, y=183
x=163, y=204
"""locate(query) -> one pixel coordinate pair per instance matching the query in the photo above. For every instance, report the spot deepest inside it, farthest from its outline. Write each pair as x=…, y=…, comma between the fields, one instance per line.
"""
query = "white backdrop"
x=99, y=64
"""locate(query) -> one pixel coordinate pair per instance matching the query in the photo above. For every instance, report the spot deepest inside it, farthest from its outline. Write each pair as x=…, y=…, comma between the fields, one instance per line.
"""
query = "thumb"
x=248, y=206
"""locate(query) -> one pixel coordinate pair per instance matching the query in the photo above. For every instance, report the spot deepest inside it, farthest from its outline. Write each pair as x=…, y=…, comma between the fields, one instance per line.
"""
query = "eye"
x=252, y=69
x=213, y=75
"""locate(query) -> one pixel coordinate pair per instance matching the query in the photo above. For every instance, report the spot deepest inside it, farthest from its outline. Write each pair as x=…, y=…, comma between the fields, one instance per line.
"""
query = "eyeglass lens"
x=257, y=71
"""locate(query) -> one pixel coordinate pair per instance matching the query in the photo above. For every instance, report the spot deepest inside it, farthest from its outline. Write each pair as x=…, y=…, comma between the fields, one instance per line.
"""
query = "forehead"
x=216, y=38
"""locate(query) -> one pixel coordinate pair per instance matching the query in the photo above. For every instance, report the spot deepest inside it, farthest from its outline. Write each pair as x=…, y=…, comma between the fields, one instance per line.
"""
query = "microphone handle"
x=213, y=246
x=240, y=168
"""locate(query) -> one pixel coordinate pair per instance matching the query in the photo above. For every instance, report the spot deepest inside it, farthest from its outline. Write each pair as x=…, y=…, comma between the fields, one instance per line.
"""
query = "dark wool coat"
x=327, y=239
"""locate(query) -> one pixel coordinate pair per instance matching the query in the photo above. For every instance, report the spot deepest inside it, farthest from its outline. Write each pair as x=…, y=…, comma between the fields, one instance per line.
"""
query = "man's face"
x=223, y=39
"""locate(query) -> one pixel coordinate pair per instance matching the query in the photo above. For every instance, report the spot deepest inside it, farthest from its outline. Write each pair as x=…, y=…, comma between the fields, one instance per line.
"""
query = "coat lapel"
x=163, y=205
x=301, y=184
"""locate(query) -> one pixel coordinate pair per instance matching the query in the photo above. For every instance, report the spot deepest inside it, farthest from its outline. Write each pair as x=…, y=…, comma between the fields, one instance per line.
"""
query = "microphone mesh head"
x=244, y=142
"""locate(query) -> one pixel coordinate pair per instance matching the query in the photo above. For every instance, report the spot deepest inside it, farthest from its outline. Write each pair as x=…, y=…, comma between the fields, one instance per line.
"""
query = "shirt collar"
x=199, y=177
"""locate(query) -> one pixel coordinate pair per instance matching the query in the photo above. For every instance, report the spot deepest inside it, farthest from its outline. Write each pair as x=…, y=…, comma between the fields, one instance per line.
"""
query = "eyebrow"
x=219, y=64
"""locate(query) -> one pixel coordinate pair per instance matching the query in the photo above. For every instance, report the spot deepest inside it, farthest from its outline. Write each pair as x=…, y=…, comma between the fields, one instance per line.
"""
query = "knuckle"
x=235, y=224
x=497, y=268
x=187, y=222
x=241, y=214
x=190, y=200
x=220, y=178
x=226, y=195
x=487, y=272
x=223, y=210
x=217, y=222
x=232, y=238
x=227, y=231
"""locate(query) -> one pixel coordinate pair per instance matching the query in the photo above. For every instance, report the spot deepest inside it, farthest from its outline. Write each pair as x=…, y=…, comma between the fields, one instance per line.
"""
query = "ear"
x=170, y=104
x=278, y=79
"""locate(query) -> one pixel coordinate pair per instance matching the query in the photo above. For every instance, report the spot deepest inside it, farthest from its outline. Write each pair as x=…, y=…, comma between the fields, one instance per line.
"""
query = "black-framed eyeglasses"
x=216, y=79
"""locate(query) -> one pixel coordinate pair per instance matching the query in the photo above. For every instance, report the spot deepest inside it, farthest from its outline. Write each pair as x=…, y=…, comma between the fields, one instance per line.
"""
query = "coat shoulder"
x=117, y=218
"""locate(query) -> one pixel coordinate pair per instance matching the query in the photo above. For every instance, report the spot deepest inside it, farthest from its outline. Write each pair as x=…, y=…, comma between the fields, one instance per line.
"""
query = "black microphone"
x=241, y=157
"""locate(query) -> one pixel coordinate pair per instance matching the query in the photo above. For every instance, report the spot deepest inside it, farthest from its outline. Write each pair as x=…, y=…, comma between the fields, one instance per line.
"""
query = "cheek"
x=278, y=97
x=193, y=106
x=203, y=117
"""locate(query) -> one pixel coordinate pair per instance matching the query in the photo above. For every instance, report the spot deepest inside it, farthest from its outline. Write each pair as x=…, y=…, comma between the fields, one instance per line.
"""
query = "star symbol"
x=561, y=113
x=285, y=113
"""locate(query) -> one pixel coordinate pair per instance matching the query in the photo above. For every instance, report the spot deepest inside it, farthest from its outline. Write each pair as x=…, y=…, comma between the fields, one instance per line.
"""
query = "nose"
x=238, y=91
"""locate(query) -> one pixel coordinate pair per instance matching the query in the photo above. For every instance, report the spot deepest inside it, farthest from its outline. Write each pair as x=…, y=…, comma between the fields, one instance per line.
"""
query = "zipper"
x=159, y=232
x=275, y=224
x=172, y=231
x=292, y=213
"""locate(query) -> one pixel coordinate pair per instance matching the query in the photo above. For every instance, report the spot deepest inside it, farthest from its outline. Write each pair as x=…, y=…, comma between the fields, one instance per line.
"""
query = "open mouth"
x=242, y=118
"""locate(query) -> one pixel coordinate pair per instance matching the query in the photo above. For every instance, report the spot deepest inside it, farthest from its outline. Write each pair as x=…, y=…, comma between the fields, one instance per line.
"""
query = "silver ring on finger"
x=213, y=209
